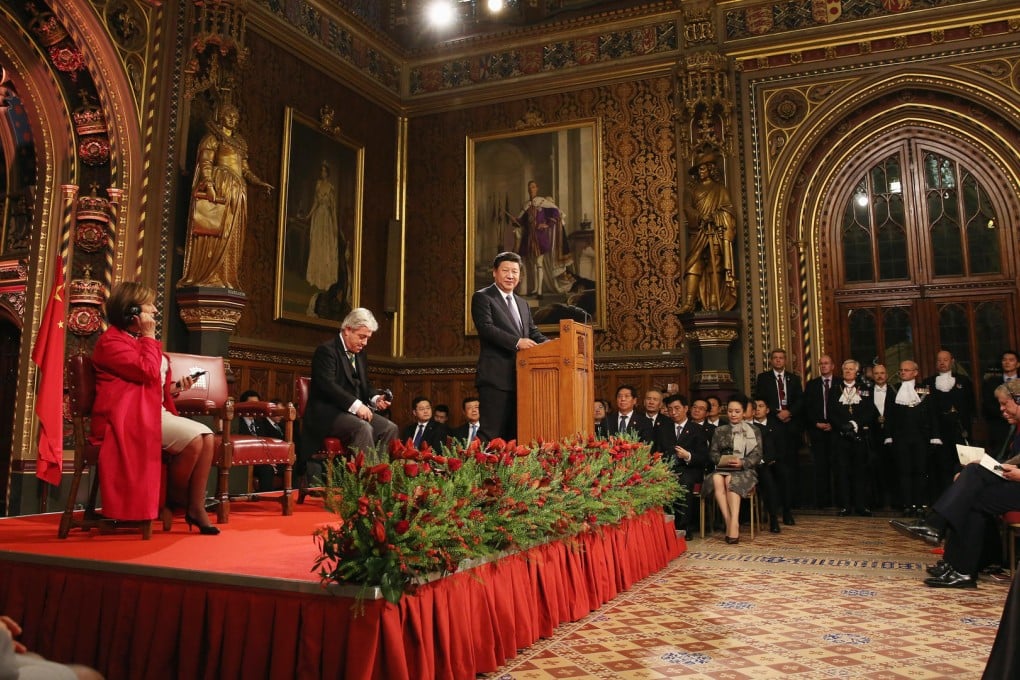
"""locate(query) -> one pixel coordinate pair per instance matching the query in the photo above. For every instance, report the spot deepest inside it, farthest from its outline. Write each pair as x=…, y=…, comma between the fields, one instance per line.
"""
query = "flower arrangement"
x=425, y=511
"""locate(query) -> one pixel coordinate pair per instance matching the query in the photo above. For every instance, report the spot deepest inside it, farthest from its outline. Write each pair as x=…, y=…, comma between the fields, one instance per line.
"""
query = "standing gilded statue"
x=219, y=205
x=710, y=281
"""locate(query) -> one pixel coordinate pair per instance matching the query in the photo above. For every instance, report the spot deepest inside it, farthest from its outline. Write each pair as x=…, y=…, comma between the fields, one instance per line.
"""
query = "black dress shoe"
x=951, y=579
x=788, y=520
x=938, y=569
x=920, y=531
x=864, y=512
x=844, y=512
x=774, y=525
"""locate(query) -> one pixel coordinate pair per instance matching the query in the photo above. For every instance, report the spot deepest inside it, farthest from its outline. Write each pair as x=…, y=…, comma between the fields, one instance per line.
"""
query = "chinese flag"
x=48, y=355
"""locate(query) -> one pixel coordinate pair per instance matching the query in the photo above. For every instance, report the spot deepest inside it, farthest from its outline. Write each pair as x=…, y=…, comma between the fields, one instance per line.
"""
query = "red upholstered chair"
x=208, y=397
x=81, y=388
x=330, y=448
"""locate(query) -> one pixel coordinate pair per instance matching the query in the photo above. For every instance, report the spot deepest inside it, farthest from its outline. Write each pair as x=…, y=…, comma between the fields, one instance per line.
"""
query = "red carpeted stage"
x=245, y=603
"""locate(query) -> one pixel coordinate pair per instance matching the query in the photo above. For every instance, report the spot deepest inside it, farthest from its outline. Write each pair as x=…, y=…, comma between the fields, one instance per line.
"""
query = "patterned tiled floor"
x=827, y=598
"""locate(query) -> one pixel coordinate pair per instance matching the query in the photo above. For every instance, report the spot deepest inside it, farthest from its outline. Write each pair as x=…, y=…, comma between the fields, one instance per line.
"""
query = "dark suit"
x=884, y=492
x=647, y=427
x=852, y=424
x=955, y=410
x=815, y=412
x=496, y=377
x=461, y=433
x=635, y=425
x=768, y=481
x=692, y=438
x=788, y=435
x=911, y=429
x=601, y=430
x=261, y=427
x=334, y=388
x=434, y=435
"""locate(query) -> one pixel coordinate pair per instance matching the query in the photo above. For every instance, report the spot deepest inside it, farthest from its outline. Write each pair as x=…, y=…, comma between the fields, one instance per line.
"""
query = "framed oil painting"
x=318, y=257
x=538, y=193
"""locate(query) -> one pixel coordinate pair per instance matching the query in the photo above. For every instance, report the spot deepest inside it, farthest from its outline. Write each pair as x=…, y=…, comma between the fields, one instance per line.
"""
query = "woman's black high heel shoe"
x=209, y=530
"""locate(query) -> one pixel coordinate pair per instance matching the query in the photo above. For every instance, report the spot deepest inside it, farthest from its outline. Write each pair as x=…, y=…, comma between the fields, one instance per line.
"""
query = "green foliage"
x=424, y=512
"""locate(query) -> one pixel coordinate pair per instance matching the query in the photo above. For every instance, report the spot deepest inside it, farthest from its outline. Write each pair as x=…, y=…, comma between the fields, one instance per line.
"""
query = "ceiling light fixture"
x=440, y=13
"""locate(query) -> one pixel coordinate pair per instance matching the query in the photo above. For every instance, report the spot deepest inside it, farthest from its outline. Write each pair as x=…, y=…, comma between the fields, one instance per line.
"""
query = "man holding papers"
x=960, y=513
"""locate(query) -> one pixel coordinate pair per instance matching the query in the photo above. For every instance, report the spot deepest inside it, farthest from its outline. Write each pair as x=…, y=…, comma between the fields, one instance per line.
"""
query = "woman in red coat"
x=134, y=419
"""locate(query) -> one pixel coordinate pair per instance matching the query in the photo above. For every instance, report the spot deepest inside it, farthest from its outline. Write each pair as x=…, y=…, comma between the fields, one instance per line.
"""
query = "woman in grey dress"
x=734, y=476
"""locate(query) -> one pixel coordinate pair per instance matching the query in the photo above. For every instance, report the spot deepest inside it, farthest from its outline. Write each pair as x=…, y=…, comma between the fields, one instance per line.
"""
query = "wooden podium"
x=556, y=386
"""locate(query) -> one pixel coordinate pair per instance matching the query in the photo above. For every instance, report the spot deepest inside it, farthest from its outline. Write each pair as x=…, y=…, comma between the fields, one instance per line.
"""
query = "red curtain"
x=137, y=626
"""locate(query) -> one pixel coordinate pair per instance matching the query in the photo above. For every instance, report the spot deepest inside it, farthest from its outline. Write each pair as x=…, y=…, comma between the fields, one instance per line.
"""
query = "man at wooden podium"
x=504, y=325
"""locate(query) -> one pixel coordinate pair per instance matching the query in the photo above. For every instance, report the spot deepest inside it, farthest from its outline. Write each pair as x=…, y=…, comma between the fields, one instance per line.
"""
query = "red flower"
x=411, y=469
x=379, y=532
x=363, y=506
x=401, y=527
x=454, y=464
x=382, y=471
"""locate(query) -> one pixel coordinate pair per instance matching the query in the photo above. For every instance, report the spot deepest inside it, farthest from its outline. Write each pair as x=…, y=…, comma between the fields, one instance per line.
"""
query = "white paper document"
x=975, y=454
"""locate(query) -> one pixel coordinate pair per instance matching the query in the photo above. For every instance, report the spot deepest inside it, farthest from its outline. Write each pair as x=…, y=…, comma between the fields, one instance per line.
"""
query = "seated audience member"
x=625, y=419
x=852, y=414
x=699, y=414
x=734, y=476
x=17, y=662
x=648, y=420
x=714, y=415
x=424, y=429
x=471, y=429
x=684, y=448
x=134, y=419
x=265, y=475
x=601, y=409
x=767, y=471
x=441, y=414
x=341, y=401
x=960, y=513
x=998, y=428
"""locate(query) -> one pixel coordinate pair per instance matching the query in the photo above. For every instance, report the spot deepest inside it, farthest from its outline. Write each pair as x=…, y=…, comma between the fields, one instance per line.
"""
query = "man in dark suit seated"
x=767, y=470
x=601, y=414
x=341, y=401
x=472, y=427
x=683, y=446
x=960, y=513
x=998, y=428
x=699, y=414
x=424, y=429
x=505, y=326
x=648, y=421
x=625, y=419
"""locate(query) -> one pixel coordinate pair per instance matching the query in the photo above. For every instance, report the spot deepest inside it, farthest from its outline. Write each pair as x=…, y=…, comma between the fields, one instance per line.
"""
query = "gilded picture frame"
x=318, y=256
x=557, y=226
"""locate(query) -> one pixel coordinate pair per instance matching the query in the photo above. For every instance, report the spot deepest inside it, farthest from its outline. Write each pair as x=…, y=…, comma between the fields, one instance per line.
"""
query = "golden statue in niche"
x=710, y=281
x=219, y=205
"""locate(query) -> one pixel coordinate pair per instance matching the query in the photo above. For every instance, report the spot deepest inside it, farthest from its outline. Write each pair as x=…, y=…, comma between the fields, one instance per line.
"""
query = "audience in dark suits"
x=781, y=390
x=264, y=475
x=625, y=419
x=953, y=396
x=852, y=414
x=819, y=429
x=504, y=325
x=648, y=420
x=684, y=447
x=998, y=428
x=911, y=425
x=424, y=430
x=471, y=429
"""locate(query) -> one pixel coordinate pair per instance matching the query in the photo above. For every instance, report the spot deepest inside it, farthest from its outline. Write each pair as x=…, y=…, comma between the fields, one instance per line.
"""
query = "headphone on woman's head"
x=132, y=312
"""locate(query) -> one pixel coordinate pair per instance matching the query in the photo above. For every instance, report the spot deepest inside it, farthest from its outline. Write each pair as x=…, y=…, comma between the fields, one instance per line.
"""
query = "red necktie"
x=782, y=390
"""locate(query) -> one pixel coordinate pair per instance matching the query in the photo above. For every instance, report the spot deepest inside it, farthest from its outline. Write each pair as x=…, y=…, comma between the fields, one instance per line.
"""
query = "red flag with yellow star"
x=48, y=355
